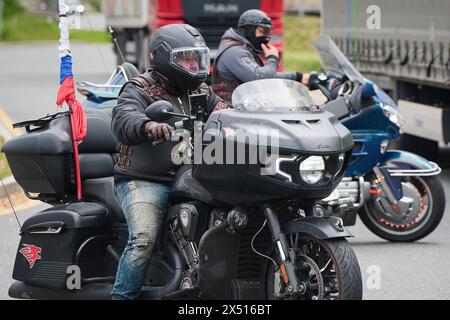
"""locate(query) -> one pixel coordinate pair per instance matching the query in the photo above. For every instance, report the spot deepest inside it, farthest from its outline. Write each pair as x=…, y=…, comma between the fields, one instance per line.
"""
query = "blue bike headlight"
x=394, y=116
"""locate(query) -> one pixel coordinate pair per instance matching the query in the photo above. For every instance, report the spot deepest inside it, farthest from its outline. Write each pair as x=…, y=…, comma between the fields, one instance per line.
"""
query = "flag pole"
x=76, y=159
x=67, y=91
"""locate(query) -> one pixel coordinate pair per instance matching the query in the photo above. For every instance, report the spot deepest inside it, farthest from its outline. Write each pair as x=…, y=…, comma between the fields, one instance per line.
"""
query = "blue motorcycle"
x=104, y=96
x=397, y=194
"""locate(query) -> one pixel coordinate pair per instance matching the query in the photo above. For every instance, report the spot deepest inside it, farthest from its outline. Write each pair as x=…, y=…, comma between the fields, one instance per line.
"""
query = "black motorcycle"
x=234, y=229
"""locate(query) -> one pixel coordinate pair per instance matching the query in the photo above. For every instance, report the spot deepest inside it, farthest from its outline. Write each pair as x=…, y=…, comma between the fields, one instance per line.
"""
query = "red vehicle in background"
x=134, y=20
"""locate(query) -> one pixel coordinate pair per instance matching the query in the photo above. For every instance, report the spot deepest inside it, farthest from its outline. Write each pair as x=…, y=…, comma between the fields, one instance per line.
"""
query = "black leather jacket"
x=137, y=157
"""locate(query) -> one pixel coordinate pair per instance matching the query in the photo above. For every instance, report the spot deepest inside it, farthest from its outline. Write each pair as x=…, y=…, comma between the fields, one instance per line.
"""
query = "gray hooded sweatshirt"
x=238, y=63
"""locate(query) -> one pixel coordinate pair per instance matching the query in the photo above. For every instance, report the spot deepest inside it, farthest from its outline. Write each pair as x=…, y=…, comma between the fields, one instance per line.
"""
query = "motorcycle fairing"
x=318, y=227
x=366, y=152
x=399, y=163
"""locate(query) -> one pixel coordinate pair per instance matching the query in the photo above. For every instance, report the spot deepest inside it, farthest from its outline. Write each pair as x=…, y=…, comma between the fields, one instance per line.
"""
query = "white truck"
x=404, y=46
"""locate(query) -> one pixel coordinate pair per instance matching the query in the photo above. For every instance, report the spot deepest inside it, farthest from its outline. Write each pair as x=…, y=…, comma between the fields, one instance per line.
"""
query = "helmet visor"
x=192, y=60
x=264, y=30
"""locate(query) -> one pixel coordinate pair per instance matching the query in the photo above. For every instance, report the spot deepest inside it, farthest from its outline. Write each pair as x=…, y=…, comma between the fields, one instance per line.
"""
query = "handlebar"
x=177, y=125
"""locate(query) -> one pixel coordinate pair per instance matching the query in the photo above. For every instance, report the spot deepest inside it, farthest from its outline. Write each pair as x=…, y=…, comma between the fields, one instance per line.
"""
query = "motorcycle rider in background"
x=245, y=54
x=179, y=65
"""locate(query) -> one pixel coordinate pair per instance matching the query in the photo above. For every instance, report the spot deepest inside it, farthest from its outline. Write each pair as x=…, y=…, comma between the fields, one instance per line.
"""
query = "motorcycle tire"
x=419, y=231
x=344, y=265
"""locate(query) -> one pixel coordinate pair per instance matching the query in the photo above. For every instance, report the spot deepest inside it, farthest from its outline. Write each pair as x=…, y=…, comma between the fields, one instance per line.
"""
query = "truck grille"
x=213, y=17
x=211, y=31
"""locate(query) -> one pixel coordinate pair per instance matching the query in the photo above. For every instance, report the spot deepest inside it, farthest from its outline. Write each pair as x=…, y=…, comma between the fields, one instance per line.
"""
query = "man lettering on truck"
x=241, y=54
x=179, y=65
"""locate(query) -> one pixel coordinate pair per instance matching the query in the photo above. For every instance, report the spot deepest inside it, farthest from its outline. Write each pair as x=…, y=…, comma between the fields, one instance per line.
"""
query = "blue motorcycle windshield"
x=273, y=96
x=334, y=61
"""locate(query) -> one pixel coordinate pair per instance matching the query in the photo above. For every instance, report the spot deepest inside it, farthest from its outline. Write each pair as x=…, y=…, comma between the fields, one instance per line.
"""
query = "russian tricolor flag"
x=66, y=92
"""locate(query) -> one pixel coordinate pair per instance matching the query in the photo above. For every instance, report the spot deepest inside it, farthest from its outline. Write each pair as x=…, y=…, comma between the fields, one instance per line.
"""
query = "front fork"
x=287, y=255
x=391, y=187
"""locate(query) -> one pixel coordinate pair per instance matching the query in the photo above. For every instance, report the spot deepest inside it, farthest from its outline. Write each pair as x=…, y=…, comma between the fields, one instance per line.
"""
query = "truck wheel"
x=142, y=48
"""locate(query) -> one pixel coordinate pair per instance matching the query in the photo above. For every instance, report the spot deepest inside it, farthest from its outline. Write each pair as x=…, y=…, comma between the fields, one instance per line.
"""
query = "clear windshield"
x=273, y=96
x=334, y=61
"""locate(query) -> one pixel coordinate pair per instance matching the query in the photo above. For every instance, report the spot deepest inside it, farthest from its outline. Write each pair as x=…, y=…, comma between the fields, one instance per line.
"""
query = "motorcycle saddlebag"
x=41, y=160
x=59, y=237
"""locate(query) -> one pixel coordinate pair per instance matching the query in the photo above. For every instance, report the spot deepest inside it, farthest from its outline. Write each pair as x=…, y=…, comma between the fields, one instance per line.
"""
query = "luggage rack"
x=39, y=123
x=51, y=198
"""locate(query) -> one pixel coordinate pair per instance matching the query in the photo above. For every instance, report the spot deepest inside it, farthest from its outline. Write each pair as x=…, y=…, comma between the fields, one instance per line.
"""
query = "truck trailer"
x=403, y=46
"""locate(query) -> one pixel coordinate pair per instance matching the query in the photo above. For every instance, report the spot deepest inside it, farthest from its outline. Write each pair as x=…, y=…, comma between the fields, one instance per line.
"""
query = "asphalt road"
x=418, y=270
x=406, y=270
x=29, y=75
x=28, y=86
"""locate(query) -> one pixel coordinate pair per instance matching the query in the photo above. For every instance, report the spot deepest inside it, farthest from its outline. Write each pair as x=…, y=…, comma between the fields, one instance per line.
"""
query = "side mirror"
x=159, y=110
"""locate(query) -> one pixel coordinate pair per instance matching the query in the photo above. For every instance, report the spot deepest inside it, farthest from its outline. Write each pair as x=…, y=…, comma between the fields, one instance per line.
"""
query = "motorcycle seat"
x=96, y=155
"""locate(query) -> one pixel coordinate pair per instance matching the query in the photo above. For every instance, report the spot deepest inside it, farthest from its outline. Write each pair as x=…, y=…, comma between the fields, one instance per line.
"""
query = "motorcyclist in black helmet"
x=241, y=54
x=179, y=65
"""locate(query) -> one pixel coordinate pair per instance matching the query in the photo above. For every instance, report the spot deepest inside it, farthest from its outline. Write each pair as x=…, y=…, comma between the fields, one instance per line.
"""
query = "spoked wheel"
x=326, y=269
x=419, y=213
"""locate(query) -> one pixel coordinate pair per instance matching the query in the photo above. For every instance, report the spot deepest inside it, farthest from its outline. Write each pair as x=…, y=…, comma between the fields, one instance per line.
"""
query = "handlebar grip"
x=325, y=91
x=155, y=143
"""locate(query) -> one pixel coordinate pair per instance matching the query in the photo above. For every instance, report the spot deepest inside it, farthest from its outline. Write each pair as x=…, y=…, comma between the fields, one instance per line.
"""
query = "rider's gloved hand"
x=332, y=84
x=158, y=130
x=310, y=79
x=313, y=81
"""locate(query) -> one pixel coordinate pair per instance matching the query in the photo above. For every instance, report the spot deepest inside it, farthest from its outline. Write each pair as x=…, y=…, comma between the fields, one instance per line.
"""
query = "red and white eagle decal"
x=31, y=253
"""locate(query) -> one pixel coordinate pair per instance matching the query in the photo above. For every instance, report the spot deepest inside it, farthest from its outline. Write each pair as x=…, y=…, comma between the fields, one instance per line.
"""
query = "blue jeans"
x=144, y=204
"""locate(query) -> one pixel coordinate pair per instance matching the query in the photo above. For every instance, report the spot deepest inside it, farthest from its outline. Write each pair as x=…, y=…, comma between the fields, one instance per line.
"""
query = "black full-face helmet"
x=249, y=21
x=179, y=53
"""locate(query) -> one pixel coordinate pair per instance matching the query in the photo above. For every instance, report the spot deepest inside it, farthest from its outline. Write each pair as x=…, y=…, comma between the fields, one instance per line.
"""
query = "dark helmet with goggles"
x=179, y=52
x=249, y=21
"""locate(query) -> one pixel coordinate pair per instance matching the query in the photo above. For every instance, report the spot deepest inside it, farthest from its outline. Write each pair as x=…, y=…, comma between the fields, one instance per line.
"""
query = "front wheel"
x=327, y=269
x=416, y=219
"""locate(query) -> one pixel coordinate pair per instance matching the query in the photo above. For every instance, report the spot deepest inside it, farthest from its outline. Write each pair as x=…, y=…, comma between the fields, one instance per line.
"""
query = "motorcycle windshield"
x=334, y=61
x=273, y=96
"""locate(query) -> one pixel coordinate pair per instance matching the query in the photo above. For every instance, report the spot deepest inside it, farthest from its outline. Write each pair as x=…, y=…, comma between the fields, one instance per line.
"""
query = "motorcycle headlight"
x=394, y=116
x=312, y=169
x=383, y=146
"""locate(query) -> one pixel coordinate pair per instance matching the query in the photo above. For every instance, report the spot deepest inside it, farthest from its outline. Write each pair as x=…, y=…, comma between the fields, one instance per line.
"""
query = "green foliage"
x=299, y=34
x=90, y=36
x=12, y=8
x=95, y=4
x=26, y=27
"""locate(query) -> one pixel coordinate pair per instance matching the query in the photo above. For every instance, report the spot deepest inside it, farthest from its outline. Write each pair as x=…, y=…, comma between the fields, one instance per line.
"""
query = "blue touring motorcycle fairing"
x=104, y=96
x=397, y=194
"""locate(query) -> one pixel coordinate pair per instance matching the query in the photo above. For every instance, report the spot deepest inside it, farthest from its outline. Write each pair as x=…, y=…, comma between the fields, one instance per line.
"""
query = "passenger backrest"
x=97, y=149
